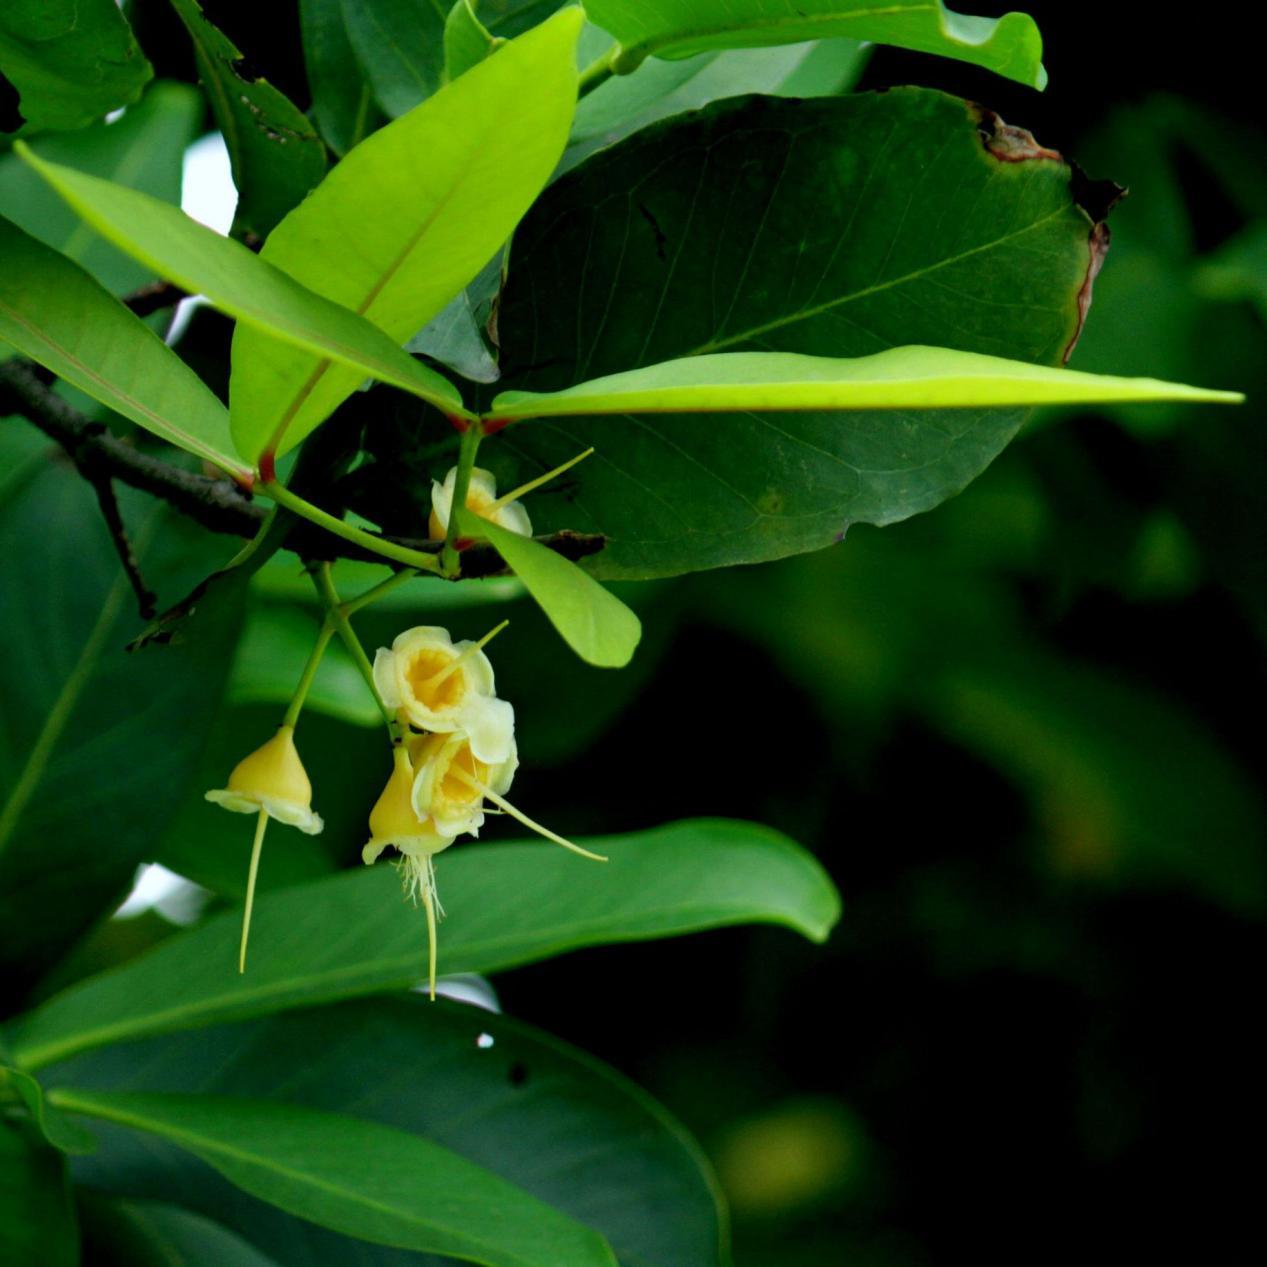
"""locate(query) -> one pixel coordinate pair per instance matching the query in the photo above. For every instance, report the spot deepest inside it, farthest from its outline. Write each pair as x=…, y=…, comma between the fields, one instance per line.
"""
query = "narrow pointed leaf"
x=357, y=1177
x=276, y=153
x=507, y=905
x=70, y=60
x=342, y=100
x=407, y=219
x=143, y=150
x=240, y=283
x=590, y=619
x=901, y=378
x=52, y=311
x=1010, y=46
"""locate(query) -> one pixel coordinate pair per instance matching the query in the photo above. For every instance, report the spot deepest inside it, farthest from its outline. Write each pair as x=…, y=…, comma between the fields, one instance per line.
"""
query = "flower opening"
x=272, y=779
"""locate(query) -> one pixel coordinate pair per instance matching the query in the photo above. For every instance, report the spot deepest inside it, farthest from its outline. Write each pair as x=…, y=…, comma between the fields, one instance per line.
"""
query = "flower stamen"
x=484, y=790
x=532, y=485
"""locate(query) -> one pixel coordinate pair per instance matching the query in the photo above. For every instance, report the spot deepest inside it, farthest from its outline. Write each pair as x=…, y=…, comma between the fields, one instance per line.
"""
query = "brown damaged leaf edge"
x=1096, y=198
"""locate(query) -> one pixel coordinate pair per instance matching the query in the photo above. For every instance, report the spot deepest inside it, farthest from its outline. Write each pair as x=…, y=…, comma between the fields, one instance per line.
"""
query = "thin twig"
x=217, y=503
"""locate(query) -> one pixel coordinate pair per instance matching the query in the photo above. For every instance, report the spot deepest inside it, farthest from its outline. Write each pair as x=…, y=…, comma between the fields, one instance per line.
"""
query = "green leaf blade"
x=590, y=619
x=356, y=1177
x=1010, y=46
x=901, y=378
x=407, y=219
x=835, y=228
x=508, y=905
x=276, y=154
x=441, y=1070
x=52, y=311
x=71, y=60
x=239, y=282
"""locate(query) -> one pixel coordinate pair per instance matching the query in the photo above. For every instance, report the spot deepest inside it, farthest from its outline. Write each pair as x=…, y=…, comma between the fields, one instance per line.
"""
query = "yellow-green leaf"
x=405, y=221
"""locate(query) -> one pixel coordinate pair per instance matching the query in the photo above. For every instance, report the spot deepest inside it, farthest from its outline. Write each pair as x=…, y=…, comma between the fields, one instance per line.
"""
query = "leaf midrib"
x=804, y=314
x=76, y=1102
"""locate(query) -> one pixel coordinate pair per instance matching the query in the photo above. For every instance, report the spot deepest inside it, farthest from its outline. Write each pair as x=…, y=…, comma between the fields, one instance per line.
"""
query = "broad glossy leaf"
x=342, y=100
x=357, y=1177
x=838, y=227
x=507, y=904
x=901, y=378
x=152, y=1234
x=400, y=43
x=143, y=150
x=37, y=1212
x=541, y=1115
x=276, y=154
x=239, y=282
x=52, y=311
x=590, y=619
x=407, y=219
x=1009, y=46
x=96, y=744
x=70, y=60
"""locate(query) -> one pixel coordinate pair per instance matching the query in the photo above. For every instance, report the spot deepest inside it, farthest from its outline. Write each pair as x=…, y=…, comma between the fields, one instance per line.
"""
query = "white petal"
x=385, y=677
x=490, y=723
x=514, y=518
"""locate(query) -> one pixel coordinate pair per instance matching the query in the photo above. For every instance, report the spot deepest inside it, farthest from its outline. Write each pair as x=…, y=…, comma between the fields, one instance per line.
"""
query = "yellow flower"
x=393, y=823
x=272, y=779
x=450, y=781
x=443, y=686
x=481, y=499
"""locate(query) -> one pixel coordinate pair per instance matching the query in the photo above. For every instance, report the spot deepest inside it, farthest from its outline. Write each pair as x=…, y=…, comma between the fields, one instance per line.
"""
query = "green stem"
x=310, y=671
x=255, y=542
x=336, y=614
x=449, y=564
x=381, y=590
x=597, y=72
x=366, y=540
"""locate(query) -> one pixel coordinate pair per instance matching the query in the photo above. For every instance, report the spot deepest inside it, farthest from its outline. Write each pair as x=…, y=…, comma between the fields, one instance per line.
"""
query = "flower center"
x=453, y=788
x=429, y=689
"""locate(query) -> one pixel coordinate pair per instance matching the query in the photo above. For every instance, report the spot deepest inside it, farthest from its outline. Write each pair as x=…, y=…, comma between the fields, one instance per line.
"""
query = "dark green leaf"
x=58, y=1130
x=70, y=60
x=467, y=41
x=508, y=905
x=150, y=1234
x=142, y=150
x=357, y=1177
x=37, y=1214
x=837, y=227
x=533, y=1110
x=277, y=155
x=95, y=743
x=342, y=100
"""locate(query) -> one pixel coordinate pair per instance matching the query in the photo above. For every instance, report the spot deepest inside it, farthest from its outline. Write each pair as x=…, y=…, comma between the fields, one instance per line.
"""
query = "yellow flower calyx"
x=272, y=779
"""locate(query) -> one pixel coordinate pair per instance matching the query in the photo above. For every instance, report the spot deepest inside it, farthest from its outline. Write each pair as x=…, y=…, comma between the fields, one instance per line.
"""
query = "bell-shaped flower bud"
x=272, y=779
x=481, y=500
x=450, y=781
x=393, y=822
x=443, y=686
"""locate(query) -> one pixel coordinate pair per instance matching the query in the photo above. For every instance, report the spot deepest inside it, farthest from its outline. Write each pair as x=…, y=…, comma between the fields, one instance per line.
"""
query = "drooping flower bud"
x=443, y=686
x=272, y=779
x=481, y=500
